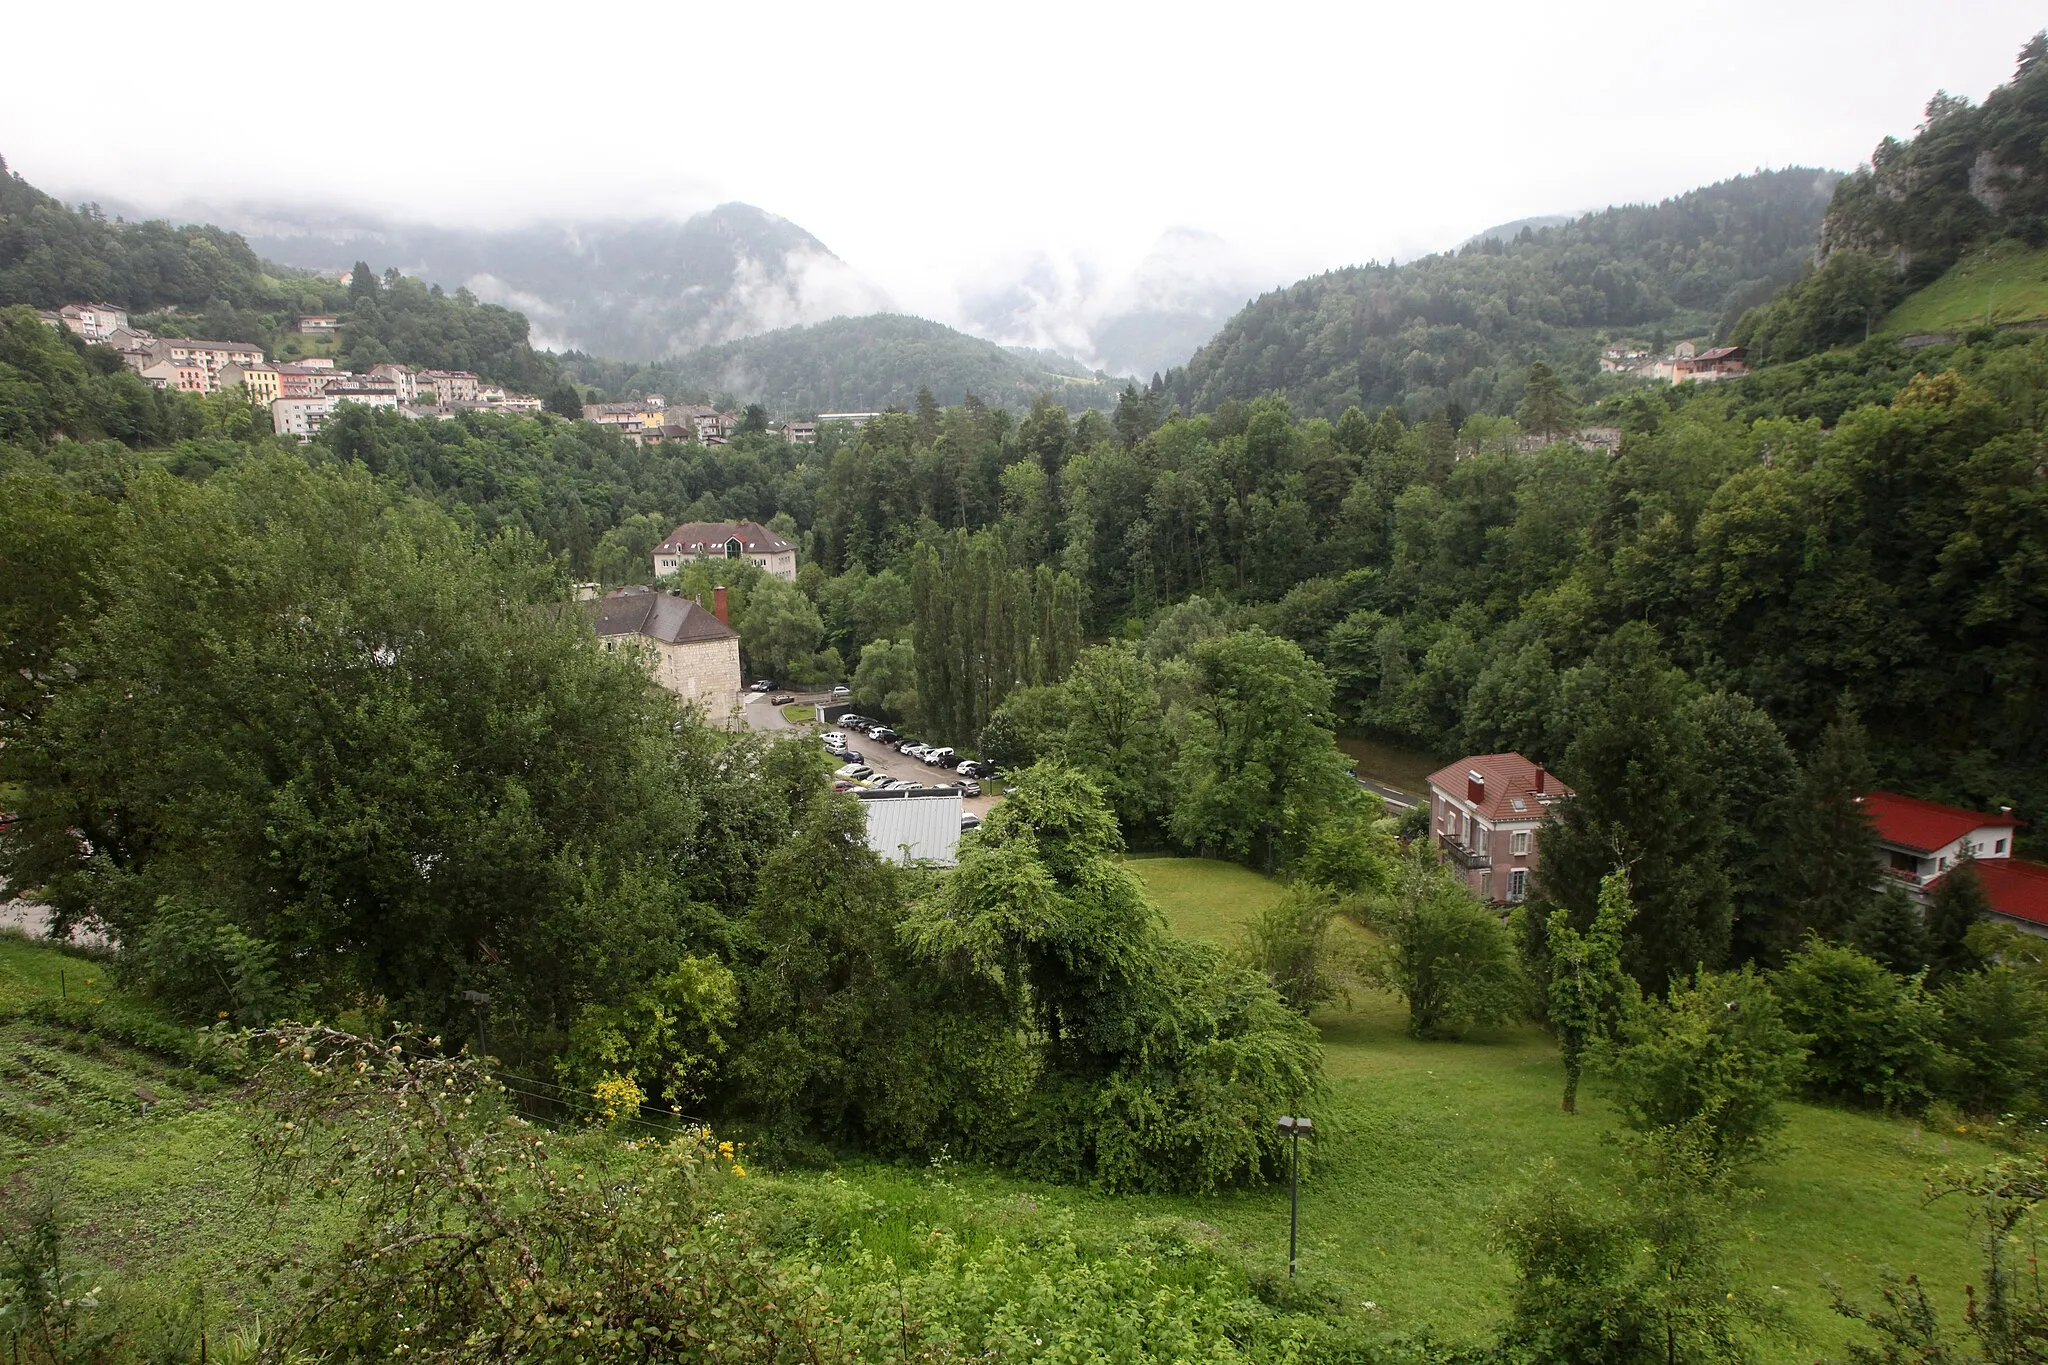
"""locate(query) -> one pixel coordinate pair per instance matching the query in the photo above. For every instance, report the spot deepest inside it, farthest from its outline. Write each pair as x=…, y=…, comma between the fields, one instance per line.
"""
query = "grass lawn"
x=801, y=714
x=2007, y=280
x=1420, y=1139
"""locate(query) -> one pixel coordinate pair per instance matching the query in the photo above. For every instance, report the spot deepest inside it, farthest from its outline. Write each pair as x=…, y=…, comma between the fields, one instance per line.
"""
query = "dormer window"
x=732, y=548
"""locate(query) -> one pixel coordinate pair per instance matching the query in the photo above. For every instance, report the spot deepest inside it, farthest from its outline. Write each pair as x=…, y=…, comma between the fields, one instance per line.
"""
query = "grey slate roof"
x=661, y=616
x=710, y=537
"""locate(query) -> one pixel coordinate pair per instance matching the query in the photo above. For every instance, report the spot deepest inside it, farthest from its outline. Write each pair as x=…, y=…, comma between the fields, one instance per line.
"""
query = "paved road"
x=1396, y=799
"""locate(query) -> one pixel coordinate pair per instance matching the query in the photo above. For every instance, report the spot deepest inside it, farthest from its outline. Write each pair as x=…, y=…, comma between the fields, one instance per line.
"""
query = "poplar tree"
x=1589, y=991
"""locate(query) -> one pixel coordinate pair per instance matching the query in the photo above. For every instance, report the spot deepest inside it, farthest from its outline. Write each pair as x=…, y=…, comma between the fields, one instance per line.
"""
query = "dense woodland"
x=1457, y=330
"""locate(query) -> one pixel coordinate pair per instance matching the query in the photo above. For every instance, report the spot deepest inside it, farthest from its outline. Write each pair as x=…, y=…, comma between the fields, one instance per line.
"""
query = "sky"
x=935, y=147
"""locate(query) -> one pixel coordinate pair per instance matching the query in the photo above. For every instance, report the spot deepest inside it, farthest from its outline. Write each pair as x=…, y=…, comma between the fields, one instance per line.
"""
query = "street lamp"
x=480, y=1001
x=1295, y=1128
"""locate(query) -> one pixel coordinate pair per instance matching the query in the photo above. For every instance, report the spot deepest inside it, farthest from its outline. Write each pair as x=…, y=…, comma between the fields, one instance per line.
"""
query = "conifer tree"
x=1833, y=876
x=1546, y=410
x=1893, y=930
x=1958, y=903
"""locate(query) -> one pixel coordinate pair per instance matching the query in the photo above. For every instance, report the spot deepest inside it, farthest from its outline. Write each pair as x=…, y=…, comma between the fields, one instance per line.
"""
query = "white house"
x=747, y=540
x=1923, y=839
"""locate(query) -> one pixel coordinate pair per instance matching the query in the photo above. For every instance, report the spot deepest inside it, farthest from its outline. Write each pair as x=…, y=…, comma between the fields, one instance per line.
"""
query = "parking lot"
x=763, y=715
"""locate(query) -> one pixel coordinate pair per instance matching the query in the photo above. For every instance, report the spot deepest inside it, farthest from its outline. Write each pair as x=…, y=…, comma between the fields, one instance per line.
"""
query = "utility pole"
x=1295, y=1129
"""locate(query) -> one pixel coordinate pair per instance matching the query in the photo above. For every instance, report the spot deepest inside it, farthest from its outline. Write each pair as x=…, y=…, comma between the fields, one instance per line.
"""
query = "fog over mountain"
x=1138, y=321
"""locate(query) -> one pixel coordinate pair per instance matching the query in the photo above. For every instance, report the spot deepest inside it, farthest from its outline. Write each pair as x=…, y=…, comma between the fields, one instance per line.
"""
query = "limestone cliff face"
x=1971, y=175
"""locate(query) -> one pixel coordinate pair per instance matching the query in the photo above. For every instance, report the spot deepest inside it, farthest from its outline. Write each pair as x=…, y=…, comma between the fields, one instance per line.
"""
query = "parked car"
x=853, y=756
x=973, y=768
x=853, y=722
x=782, y=699
x=762, y=685
x=854, y=772
x=969, y=820
x=842, y=785
x=834, y=737
x=912, y=750
x=842, y=690
x=968, y=786
x=936, y=758
x=881, y=734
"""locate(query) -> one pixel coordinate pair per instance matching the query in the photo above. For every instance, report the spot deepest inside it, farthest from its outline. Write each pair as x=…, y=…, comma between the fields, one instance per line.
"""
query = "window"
x=1518, y=883
x=732, y=549
x=1518, y=843
x=1998, y=847
x=1486, y=886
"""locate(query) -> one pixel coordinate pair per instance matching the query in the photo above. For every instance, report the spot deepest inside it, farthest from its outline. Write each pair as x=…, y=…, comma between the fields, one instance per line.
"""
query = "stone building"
x=690, y=651
x=1487, y=814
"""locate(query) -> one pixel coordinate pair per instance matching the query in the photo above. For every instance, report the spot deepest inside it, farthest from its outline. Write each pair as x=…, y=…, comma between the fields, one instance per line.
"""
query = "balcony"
x=1471, y=860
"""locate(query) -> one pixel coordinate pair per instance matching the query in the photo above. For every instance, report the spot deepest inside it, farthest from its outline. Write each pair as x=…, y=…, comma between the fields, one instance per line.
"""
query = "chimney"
x=1475, y=786
x=1541, y=778
x=718, y=604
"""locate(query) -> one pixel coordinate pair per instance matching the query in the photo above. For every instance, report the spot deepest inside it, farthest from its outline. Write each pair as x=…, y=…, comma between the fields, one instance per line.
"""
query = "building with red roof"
x=1487, y=814
x=1923, y=839
x=2016, y=890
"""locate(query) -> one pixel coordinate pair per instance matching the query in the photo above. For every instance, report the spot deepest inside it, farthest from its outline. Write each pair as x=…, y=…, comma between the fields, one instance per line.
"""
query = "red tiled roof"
x=1925, y=826
x=1510, y=786
x=2013, y=887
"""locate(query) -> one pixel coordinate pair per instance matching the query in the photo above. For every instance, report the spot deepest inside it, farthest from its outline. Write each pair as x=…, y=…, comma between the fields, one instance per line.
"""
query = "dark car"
x=973, y=768
x=882, y=735
x=762, y=685
x=852, y=756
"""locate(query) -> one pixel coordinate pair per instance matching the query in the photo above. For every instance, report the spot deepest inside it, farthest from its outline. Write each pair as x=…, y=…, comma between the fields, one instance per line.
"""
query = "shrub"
x=1870, y=1034
x=1290, y=943
x=1995, y=1030
x=1449, y=956
x=1713, y=1060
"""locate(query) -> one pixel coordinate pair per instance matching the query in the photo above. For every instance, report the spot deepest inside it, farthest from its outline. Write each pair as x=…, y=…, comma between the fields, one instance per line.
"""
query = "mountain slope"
x=636, y=289
x=861, y=364
x=1460, y=328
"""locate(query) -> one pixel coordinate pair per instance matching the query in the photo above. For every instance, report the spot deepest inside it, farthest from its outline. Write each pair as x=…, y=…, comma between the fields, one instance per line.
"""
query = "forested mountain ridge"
x=858, y=364
x=1458, y=330
x=52, y=255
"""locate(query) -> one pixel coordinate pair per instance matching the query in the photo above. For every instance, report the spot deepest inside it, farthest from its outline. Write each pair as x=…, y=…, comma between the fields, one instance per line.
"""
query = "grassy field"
x=2004, y=283
x=803, y=713
x=1421, y=1139
x=1418, y=1141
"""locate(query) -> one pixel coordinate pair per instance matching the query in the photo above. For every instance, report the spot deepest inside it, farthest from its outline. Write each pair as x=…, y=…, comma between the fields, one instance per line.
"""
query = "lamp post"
x=481, y=1002
x=1294, y=1128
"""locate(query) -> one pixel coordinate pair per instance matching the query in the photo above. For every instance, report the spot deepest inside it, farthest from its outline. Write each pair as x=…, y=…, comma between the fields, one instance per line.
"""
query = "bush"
x=1995, y=1030
x=1290, y=944
x=1870, y=1034
x=1713, y=1060
x=1449, y=956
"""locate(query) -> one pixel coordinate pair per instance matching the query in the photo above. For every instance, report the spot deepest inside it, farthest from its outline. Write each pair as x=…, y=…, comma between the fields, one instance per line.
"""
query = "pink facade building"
x=1486, y=814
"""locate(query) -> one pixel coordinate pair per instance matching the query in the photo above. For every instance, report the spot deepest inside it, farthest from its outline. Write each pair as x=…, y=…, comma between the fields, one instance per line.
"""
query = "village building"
x=688, y=650
x=187, y=375
x=264, y=384
x=1487, y=814
x=302, y=381
x=93, y=321
x=1922, y=842
x=746, y=540
x=449, y=386
x=800, y=433
x=1723, y=362
x=214, y=355
x=404, y=382
x=319, y=325
x=1923, y=839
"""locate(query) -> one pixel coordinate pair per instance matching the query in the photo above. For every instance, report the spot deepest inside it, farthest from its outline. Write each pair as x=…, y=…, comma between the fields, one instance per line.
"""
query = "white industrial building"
x=909, y=827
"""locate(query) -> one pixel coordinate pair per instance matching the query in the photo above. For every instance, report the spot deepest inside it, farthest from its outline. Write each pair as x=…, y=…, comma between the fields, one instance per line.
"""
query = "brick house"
x=689, y=651
x=1486, y=814
x=725, y=540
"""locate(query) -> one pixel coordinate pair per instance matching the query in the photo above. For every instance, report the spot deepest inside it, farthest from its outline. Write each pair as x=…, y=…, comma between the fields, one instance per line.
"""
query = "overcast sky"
x=929, y=144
